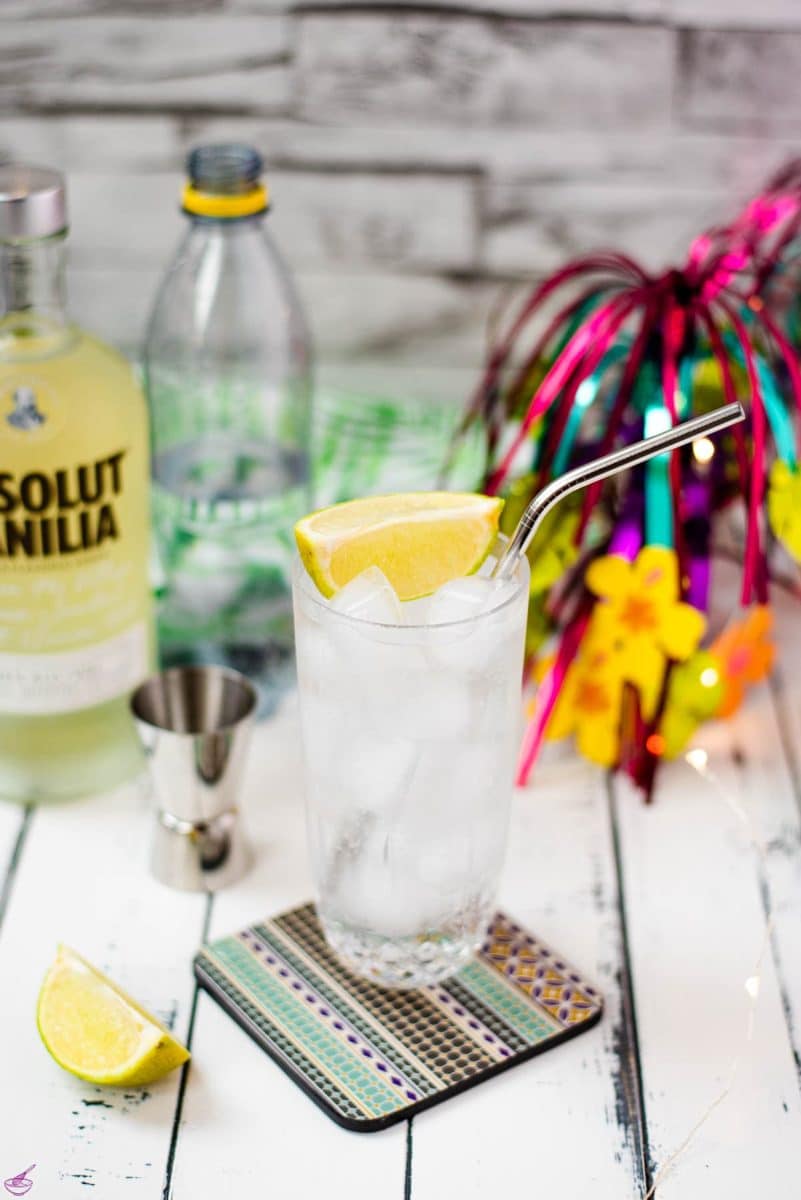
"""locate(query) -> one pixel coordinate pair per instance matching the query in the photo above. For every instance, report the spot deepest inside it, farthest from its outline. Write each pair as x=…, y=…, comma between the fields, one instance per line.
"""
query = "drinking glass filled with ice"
x=409, y=676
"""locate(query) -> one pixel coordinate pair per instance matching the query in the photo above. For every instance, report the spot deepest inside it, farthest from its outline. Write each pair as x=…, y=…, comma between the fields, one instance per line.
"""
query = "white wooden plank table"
x=666, y=907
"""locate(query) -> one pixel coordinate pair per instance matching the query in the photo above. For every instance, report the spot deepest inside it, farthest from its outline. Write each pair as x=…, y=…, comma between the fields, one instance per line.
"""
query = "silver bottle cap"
x=33, y=202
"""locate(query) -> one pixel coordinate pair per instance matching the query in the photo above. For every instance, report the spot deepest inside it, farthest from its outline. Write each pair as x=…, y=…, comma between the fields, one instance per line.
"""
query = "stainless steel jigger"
x=194, y=724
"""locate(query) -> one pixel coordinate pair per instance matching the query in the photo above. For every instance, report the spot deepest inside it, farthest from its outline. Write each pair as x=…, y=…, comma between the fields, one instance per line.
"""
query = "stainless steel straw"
x=601, y=468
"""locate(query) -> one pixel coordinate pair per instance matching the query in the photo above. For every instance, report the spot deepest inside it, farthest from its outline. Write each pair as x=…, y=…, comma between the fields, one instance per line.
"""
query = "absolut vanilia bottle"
x=75, y=633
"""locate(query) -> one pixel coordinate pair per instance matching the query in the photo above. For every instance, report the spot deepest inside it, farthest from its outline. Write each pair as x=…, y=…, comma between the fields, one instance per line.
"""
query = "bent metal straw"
x=602, y=468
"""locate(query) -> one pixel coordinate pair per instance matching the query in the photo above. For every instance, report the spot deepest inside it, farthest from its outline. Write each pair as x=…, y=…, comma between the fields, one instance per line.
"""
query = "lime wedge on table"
x=420, y=540
x=97, y=1032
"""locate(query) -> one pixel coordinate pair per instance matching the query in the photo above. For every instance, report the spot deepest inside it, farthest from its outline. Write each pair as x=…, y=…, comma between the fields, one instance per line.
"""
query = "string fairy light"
x=698, y=759
x=703, y=451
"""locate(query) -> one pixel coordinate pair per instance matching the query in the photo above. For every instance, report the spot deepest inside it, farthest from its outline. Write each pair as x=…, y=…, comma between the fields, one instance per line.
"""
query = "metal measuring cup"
x=194, y=724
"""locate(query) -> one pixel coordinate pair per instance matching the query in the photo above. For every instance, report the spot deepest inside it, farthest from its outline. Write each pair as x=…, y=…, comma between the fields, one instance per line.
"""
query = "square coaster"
x=371, y=1056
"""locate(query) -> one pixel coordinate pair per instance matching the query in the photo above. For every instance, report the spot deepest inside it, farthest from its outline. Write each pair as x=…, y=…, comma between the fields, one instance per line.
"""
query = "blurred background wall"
x=421, y=158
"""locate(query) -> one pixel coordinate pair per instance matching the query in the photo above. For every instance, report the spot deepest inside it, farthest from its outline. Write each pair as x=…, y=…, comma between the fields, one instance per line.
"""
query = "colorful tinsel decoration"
x=618, y=640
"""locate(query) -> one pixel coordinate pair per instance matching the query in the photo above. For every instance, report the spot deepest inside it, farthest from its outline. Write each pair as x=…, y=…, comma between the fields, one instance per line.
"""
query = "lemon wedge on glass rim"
x=419, y=540
x=94, y=1030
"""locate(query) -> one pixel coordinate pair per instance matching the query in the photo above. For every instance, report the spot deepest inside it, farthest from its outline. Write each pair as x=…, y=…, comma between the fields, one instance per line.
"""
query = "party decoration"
x=745, y=652
x=695, y=693
x=641, y=618
x=600, y=354
x=784, y=506
x=588, y=704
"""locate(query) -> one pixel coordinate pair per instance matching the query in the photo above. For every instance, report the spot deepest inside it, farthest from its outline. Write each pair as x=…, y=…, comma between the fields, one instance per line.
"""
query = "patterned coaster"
x=370, y=1056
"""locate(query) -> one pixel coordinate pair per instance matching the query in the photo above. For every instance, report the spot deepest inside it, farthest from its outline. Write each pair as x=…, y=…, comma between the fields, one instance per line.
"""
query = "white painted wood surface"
x=81, y=878
x=664, y=906
x=401, y=319
x=13, y=826
x=191, y=61
x=712, y=883
x=355, y=217
x=444, y=149
x=368, y=67
x=242, y=1126
x=560, y=882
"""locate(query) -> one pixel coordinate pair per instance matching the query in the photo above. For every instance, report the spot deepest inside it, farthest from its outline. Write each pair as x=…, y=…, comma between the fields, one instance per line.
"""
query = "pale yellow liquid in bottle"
x=75, y=622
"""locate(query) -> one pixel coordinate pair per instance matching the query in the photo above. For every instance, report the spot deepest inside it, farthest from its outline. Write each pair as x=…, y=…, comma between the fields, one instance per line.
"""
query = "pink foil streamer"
x=754, y=577
x=548, y=694
x=603, y=325
x=625, y=388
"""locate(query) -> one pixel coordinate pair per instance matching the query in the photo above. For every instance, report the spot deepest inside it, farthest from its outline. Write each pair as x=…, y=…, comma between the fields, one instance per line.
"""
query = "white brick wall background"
x=422, y=158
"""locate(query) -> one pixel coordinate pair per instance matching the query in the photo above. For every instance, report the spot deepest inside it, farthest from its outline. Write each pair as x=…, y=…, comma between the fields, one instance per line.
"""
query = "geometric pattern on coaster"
x=539, y=972
x=409, y=1017
x=370, y=1056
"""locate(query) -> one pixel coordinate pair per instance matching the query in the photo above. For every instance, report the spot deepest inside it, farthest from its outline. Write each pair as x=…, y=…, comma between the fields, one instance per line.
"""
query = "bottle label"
x=51, y=514
x=39, y=684
x=74, y=594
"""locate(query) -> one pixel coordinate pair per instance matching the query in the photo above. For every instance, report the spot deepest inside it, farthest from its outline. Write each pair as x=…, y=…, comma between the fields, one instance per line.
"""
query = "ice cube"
x=456, y=641
x=369, y=597
x=415, y=612
x=319, y=668
x=428, y=704
x=367, y=886
x=461, y=599
x=457, y=815
x=377, y=773
x=371, y=649
x=325, y=728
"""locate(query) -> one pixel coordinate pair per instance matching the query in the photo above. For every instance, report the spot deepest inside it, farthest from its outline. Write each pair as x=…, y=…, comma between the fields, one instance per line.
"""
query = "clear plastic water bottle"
x=228, y=377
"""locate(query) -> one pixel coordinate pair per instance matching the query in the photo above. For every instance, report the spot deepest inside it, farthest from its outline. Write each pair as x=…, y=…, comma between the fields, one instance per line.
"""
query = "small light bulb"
x=752, y=986
x=703, y=450
x=585, y=393
x=709, y=677
x=655, y=744
x=697, y=758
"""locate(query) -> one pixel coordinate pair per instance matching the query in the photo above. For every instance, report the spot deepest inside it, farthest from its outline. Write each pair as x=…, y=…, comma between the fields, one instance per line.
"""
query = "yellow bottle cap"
x=209, y=204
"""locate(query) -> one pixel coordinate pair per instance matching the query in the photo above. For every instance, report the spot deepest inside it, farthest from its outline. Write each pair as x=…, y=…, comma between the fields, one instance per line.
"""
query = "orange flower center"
x=639, y=614
x=591, y=697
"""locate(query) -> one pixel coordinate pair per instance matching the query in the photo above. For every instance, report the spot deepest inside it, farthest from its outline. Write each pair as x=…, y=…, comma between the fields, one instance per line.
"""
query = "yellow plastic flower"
x=746, y=652
x=784, y=506
x=694, y=694
x=589, y=704
x=640, y=619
